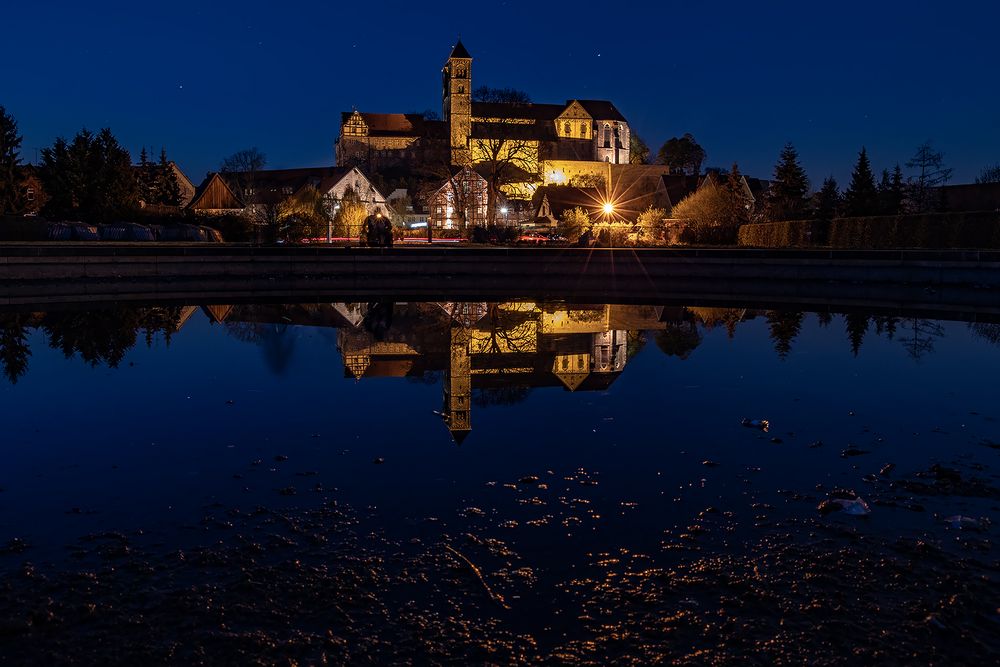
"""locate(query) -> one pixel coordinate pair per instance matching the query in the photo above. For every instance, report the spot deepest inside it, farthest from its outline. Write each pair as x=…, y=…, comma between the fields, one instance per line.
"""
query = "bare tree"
x=931, y=173
x=504, y=144
x=240, y=170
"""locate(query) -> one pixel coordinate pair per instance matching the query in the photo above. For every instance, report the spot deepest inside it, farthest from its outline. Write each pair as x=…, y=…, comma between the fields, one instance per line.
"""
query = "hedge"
x=931, y=230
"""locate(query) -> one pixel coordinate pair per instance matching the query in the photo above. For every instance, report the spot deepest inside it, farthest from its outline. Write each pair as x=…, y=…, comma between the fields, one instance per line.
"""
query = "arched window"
x=461, y=90
x=607, y=135
x=567, y=129
x=583, y=130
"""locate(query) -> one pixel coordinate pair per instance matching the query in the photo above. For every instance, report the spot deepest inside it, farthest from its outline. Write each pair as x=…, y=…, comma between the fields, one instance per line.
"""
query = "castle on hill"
x=520, y=135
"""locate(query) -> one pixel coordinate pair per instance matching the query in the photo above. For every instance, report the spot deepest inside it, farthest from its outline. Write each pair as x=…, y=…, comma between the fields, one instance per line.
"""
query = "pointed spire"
x=459, y=51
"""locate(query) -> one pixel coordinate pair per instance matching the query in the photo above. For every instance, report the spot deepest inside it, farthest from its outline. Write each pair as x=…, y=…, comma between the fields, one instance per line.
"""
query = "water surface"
x=503, y=482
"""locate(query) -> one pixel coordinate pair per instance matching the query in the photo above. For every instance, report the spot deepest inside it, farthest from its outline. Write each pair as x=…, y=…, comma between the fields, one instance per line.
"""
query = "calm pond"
x=498, y=483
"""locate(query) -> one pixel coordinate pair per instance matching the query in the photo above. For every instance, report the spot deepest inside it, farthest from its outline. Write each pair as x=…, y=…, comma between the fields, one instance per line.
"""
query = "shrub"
x=929, y=230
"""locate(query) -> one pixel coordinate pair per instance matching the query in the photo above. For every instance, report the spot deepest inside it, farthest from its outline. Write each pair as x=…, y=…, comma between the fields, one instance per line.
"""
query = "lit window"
x=567, y=128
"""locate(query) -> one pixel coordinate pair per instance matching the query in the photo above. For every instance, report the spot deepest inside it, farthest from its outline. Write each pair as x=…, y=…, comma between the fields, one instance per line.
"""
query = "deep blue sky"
x=743, y=77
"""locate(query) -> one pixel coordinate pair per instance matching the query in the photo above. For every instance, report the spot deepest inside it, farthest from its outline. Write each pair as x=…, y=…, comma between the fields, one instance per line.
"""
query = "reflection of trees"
x=679, y=340
x=857, y=327
x=824, y=318
x=276, y=341
x=635, y=341
x=508, y=330
x=886, y=326
x=105, y=336
x=14, y=351
x=507, y=395
x=919, y=336
x=711, y=318
x=987, y=331
x=784, y=326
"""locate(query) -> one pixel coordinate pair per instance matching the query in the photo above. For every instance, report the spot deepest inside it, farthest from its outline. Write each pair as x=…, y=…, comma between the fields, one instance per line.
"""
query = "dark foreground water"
x=497, y=483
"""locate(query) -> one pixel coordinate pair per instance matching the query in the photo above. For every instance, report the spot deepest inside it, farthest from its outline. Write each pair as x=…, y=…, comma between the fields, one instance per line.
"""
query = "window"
x=567, y=129
x=461, y=90
x=607, y=136
x=30, y=194
x=286, y=190
x=583, y=130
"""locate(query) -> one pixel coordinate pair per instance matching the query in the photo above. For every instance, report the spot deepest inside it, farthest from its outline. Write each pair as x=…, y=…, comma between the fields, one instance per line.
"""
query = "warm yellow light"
x=609, y=208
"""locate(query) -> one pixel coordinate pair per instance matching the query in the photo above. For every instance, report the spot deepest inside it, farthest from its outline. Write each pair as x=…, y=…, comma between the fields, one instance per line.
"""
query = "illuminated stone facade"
x=472, y=132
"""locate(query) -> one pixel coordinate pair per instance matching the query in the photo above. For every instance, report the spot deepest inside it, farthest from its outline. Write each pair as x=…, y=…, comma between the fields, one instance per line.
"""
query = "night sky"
x=743, y=77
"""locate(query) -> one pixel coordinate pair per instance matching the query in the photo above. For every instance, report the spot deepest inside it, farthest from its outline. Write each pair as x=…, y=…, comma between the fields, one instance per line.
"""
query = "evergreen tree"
x=784, y=327
x=91, y=179
x=861, y=197
x=827, y=201
x=166, y=190
x=857, y=327
x=786, y=198
x=145, y=178
x=14, y=349
x=10, y=161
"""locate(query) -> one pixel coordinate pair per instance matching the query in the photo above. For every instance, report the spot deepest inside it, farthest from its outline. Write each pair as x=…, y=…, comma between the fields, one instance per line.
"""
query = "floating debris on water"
x=761, y=424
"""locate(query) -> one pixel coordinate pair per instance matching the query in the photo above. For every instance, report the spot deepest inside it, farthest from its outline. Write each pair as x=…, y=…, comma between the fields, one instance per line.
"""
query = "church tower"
x=456, y=107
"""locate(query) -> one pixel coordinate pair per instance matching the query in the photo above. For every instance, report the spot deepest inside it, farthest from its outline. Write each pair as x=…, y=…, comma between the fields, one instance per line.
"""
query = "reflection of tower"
x=610, y=351
x=458, y=385
x=571, y=368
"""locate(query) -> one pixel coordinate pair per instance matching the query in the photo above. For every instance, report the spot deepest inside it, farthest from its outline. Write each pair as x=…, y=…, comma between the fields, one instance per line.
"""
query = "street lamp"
x=329, y=224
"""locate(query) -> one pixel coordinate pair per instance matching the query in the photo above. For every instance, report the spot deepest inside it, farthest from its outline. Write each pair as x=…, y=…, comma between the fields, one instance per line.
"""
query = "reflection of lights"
x=608, y=208
x=504, y=210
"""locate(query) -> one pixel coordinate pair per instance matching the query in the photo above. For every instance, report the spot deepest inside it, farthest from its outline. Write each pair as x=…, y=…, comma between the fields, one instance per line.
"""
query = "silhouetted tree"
x=861, y=197
x=679, y=340
x=145, y=177
x=500, y=95
x=885, y=325
x=638, y=150
x=90, y=179
x=240, y=171
x=891, y=192
x=784, y=327
x=786, y=197
x=504, y=395
x=10, y=161
x=988, y=331
x=824, y=318
x=920, y=336
x=827, y=201
x=166, y=190
x=14, y=349
x=931, y=173
x=990, y=174
x=682, y=154
x=857, y=327
x=505, y=153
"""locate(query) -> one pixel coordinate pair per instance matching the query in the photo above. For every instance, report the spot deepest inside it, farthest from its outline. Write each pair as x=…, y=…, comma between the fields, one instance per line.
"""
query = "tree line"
x=90, y=178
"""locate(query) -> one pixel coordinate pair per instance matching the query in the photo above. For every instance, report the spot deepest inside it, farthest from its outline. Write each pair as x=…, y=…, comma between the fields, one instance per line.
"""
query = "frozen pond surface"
x=497, y=482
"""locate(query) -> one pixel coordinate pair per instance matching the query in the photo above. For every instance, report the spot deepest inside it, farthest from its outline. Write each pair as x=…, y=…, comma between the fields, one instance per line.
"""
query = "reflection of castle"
x=493, y=346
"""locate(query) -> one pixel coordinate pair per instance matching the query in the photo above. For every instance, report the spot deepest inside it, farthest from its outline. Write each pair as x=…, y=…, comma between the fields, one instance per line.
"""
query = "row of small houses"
x=463, y=197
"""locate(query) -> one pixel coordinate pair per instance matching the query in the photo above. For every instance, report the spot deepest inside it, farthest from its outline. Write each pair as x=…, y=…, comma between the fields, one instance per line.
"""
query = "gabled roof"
x=601, y=110
x=215, y=194
x=676, y=187
x=459, y=51
x=563, y=197
x=394, y=124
